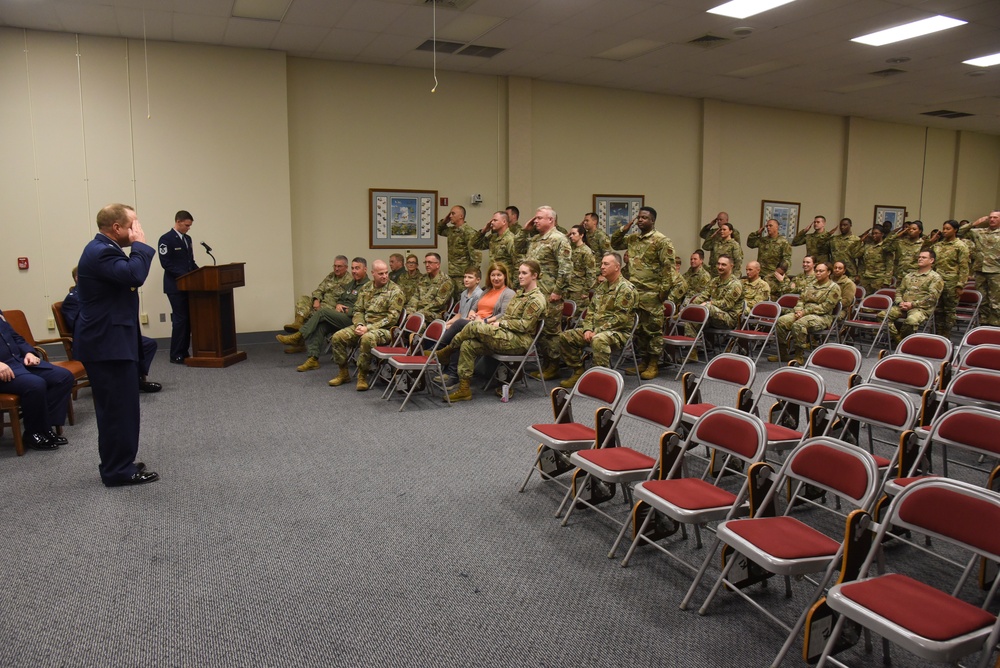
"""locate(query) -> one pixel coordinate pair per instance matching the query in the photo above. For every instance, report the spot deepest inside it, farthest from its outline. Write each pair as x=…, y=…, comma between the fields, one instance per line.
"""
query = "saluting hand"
x=136, y=233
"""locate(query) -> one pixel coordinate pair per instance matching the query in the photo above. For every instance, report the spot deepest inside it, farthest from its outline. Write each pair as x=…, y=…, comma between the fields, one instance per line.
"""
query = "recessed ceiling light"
x=909, y=30
x=631, y=49
x=898, y=61
x=984, y=61
x=741, y=9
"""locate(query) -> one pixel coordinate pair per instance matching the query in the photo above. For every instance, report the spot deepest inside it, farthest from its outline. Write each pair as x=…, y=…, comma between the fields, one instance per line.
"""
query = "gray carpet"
x=297, y=524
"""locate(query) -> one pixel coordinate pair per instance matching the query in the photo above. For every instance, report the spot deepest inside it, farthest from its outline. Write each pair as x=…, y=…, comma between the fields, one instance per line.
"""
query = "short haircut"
x=475, y=271
x=341, y=258
x=591, y=214
x=503, y=214
x=823, y=218
x=511, y=207
x=535, y=268
x=433, y=255
x=810, y=257
x=459, y=206
x=650, y=210
x=725, y=256
x=397, y=256
x=699, y=252
x=360, y=260
x=929, y=251
x=546, y=207
x=616, y=256
x=111, y=214
x=182, y=215
x=848, y=221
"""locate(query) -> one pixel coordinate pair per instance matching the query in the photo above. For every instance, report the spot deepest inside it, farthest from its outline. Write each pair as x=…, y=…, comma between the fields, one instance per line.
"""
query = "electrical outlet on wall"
x=51, y=323
x=144, y=318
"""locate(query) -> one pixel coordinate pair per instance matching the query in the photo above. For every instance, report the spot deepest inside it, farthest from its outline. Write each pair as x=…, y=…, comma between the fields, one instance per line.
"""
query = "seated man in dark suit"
x=43, y=389
x=71, y=309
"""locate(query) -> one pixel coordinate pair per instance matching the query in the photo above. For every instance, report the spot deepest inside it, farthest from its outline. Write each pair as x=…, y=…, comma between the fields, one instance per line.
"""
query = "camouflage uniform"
x=952, y=263
x=328, y=292
x=679, y=290
x=778, y=288
x=327, y=319
x=462, y=252
x=848, y=293
x=770, y=252
x=650, y=260
x=431, y=296
x=717, y=246
x=817, y=245
x=755, y=291
x=408, y=284
x=697, y=280
x=817, y=302
x=553, y=252
x=906, y=251
x=799, y=282
x=599, y=242
x=502, y=248
x=923, y=290
x=987, y=270
x=726, y=306
x=876, y=261
x=610, y=318
x=581, y=280
x=845, y=249
x=707, y=230
x=512, y=334
x=379, y=309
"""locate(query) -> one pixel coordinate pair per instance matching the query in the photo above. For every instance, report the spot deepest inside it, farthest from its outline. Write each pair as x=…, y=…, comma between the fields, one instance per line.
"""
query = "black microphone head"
x=206, y=246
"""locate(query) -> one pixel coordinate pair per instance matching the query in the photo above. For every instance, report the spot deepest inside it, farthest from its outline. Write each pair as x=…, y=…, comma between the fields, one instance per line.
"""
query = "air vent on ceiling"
x=442, y=47
x=709, y=41
x=888, y=72
x=946, y=113
x=450, y=4
x=481, y=51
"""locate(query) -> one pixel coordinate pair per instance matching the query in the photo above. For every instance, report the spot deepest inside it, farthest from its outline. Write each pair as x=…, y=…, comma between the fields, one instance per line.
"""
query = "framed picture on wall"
x=894, y=215
x=614, y=211
x=402, y=218
x=786, y=213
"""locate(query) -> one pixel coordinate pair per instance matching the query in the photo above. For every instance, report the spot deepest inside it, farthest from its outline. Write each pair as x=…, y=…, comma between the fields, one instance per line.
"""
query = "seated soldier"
x=512, y=334
x=724, y=299
x=607, y=323
x=433, y=293
x=848, y=290
x=813, y=312
x=409, y=280
x=696, y=277
x=755, y=288
x=808, y=276
x=779, y=282
x=327, y=293
x=378, y=308
x=916, y=297
x=43, y=389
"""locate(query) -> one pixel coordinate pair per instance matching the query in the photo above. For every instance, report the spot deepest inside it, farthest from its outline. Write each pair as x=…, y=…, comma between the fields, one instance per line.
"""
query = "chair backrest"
x=601, y=384
x=859, y=293
x=975, y=387
x=874, y=304
x=980, y=335
x=788, y=301
x=927, y=346
x=434, y=332
x=693, y=314
x=971, y=428
x=569, y=309
x=837, y=467
x=969, y=301
x=879, y=406
x=19, y=323
x=653, y=405
x=889, y=292
x=986, y=356
x=730, y=369
x=909, y=374
x=835, y=357
x=414, y=323
x=669, y=309
x=732, y=431
x=63, y=329
x=795, y=385
x=763, y=312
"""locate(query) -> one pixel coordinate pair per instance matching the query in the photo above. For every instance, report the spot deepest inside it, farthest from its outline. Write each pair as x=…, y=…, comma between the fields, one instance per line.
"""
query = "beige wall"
x=275, y=156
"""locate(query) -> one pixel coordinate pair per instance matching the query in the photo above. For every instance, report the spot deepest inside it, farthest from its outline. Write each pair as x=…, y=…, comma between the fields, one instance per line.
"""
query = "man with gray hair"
x=327, y=293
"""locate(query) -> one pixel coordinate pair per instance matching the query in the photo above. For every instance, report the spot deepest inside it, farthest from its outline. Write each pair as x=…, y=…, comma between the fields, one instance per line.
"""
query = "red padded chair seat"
x=697, y=410
x=831, y=398
x=881, y=461
x=775, y=432
x=918, y=607
x=690, y=493
x=568, y=431
x=784, y=537
x=390, y=350
x=618, y=459
x=675, y=339
x=903, y=482
x=413, y=360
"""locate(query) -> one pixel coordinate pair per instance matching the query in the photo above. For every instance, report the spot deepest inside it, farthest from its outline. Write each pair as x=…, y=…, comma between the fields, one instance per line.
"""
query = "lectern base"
x=216, y=362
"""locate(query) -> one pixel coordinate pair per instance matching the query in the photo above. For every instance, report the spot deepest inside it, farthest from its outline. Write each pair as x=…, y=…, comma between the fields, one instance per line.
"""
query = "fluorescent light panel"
x=630, y=50
x=984, y=61
x=909, y=30
x=262, y=10
x=741, y=9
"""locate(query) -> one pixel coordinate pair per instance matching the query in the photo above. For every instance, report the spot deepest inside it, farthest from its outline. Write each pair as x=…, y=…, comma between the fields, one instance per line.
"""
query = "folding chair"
x=734, y=435
x=695, y=315
x=788, y=301
x=839, y=360
x=938, y=350
x=622, y=465
x=859, y=296
x=669, y=313
x=597, y=384
x=764, y=545
x=888, y=292
x=514, y=364
x=978, y=336
x=986, y=356
x=418, y=368
x=568, y=314
x=872, y=316
x=406, y=342
x=913, y=376
x=792, y=388
x=972, y=387
x=815, y=335
x=759, y=328
x=10, y=409
x=913, y=613
x=967, y=309
x=727, y=369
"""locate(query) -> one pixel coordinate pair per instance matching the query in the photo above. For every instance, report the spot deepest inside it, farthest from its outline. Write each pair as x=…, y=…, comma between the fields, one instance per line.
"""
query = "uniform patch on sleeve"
x=163, y=249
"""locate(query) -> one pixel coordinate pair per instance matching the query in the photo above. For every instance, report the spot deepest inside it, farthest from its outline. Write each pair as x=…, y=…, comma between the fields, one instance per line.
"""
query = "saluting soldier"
x=877, y=257
x=987, y=266
x=916, y=297
x=722, y=242
x=772, y=248
x=845, y=247
x=952, y=263
x=378, y=308
x=818, y=243
x=597, y=239
x=584, y=274
x=907, y=245
x=498, y=238
x=462, y=251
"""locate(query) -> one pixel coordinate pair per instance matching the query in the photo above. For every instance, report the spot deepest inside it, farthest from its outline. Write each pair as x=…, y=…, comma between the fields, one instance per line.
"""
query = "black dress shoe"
x=140, y=467
x=39, y=442
x=56, y=438
x=177, y=360
x=148, y=386
x=137, y=478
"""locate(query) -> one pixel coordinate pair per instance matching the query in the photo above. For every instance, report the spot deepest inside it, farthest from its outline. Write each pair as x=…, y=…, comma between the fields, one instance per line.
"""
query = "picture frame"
x=889, y=214
x=402, y=218
x=615, y=211
x=786, y=213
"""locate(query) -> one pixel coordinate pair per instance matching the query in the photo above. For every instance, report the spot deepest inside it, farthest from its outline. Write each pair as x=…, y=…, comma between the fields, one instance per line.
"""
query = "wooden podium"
x=213, y=318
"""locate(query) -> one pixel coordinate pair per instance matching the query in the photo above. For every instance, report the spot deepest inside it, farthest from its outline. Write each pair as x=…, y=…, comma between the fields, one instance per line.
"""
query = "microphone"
x=208, y=249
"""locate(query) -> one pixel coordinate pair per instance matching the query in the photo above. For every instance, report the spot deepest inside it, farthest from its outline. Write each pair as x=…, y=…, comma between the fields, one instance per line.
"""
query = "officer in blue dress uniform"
x=107, y=339
x=177, y=259
x=42, y=388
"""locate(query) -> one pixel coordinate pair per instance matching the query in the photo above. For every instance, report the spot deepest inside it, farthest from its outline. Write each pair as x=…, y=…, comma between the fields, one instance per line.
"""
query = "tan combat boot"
x=293, y=327
x=549, y=371
x=290, y=339
x=444, y=356
x=632, y=371
x=308, y=365
x=463, y=393
x=693, y=356
x=362, y=382
x=294, y=350
x=651, y=372
x=340, y=378
x=570, y=382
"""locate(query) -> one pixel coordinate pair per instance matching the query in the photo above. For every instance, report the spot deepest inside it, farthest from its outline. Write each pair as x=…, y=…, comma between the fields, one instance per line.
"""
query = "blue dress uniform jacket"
x=43, y=389
x=106, y=340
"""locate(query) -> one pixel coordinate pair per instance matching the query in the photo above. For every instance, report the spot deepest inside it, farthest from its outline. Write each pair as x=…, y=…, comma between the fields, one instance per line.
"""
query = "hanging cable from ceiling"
x=434, y=54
